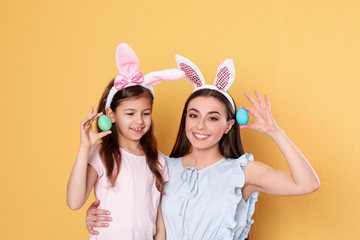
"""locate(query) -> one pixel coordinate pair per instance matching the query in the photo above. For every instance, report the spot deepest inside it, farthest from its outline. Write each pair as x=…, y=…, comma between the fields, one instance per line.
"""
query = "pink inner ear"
x=191, y=74
x=222, y=78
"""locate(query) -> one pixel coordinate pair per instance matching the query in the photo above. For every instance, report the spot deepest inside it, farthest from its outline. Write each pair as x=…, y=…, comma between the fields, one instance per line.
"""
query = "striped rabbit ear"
x=225, y=75
x=126, y=60
x=192, y=73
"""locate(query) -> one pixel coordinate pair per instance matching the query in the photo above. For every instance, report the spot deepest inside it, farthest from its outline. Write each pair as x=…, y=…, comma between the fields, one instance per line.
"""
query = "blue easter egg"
x=242, y=117
x=104, y=123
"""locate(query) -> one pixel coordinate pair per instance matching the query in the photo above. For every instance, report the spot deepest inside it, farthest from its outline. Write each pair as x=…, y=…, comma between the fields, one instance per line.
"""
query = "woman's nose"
x=201, y=124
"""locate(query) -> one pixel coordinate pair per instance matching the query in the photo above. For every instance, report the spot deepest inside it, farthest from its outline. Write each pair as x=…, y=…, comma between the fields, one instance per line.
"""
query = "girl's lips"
x=200, y=136
x=137, y=130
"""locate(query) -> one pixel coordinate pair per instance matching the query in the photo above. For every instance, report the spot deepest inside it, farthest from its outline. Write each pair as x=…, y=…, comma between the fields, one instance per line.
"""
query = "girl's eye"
x=146, y=113
x=129, y=113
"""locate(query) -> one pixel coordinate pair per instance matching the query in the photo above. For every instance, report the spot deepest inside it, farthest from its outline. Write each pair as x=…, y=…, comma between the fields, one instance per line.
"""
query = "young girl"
x=125, y=169
x=213, y=185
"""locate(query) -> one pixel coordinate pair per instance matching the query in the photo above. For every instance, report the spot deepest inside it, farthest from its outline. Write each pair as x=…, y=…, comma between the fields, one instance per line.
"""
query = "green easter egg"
x=104, y=123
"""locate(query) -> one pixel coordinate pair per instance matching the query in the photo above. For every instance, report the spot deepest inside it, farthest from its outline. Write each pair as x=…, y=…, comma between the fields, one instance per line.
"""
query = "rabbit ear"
x=225, y=75
x=153, y=78
x=126, y=60
x=192, y=73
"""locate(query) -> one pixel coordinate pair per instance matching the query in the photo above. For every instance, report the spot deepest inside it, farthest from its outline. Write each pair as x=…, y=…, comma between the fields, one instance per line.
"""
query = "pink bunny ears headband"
x=128, y=65
x=224, y=77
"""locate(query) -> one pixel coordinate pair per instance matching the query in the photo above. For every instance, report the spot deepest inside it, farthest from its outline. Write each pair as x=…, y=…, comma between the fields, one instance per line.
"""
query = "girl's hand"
x=88, y=137
x=264, y=121
x=96, y=218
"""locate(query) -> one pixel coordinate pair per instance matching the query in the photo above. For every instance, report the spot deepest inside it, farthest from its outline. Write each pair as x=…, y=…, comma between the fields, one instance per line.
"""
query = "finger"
x=97, y=212
x=248, y=126
x=250, y=110
x=92, y=231
x=101, y=225
x=259, y=98
x=252, y=101
x=85, y=123
x=93, y=222
x=92, y=116
x=103, y=219
x=267, y=100
x=91, y=110
x=96, y=115
x=103, y=134
x=96, y=203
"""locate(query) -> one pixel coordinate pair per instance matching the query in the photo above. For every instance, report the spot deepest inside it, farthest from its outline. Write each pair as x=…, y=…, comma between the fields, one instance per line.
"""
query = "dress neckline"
x=203, y=169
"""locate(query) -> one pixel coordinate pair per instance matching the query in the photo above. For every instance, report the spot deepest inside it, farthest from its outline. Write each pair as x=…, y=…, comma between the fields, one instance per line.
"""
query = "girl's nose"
x=139, y=119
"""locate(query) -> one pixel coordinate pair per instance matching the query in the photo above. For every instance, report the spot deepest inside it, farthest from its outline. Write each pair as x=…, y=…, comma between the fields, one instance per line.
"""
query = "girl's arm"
x=83, y=176
x=302, y=178
x=160, y=227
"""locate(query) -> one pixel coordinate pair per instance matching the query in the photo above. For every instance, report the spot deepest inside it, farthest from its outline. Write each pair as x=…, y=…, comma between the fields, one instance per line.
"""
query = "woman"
x=213, y=185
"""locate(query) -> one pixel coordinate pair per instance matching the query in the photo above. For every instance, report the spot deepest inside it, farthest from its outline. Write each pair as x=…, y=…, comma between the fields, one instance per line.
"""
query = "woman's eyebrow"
x=211, y=112
x=193, y=109
x=216, y=112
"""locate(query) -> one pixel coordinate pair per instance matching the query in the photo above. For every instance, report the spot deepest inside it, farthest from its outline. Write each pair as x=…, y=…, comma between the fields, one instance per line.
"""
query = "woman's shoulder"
x=170, y=161
x=167, y=158
x=242, y=161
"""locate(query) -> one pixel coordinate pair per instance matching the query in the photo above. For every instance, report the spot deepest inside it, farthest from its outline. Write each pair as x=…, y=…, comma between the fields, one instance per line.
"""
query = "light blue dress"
x=207, y=204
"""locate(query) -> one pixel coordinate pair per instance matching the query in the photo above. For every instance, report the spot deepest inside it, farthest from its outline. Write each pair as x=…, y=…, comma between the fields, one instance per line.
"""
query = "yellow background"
x=57, y=56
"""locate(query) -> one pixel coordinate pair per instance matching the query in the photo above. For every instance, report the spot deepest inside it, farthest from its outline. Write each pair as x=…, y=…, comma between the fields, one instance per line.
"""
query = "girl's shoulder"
x=95, y=159
x=95, y=150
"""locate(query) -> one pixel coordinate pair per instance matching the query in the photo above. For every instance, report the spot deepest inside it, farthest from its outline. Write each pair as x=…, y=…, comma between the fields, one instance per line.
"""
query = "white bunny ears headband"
x=224, y=77
x=128, y=65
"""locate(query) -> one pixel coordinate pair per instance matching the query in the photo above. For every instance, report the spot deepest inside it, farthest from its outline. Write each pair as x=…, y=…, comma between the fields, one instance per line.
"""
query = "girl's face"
x=206, y=122
x=132, y=118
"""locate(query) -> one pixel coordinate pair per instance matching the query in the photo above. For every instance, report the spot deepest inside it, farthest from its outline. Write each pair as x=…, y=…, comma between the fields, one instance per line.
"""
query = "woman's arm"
x=83, y=176
x=97, y=218
x=301, y=179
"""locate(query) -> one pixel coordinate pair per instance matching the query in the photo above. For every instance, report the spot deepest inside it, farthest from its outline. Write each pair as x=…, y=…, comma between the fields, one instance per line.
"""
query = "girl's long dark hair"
x=230, y=144
x=110, y=147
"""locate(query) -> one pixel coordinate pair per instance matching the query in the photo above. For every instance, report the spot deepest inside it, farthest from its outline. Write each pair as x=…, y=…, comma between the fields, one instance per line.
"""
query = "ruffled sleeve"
x=169, y=162
x=164, y=170
x=239, y=212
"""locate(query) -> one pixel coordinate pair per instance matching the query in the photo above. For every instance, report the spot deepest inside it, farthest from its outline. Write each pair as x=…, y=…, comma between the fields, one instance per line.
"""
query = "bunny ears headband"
x=128, y=65
x=224, y=77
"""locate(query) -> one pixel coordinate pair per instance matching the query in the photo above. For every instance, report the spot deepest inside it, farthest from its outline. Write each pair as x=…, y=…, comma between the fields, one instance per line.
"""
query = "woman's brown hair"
x=230, y=144
x=110, y=147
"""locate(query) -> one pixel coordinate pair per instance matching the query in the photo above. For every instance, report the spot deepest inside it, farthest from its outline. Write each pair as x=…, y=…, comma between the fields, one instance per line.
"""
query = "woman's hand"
x=96, y=218
x=302, y=178
x=88, y=137
x=264, y=121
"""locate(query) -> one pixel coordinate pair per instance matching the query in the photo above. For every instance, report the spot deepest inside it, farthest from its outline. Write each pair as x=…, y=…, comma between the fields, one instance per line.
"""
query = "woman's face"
x=206, y=122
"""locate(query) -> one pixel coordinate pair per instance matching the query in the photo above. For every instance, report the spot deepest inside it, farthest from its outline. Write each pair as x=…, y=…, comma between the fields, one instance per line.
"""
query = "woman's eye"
x=192, y=115
x=213, y=119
